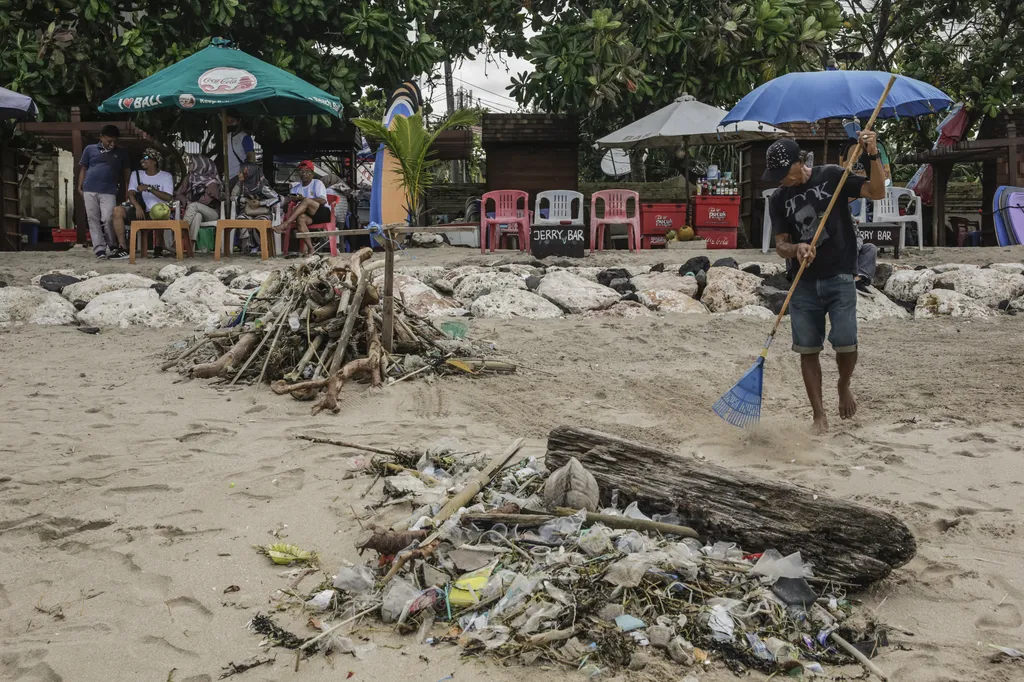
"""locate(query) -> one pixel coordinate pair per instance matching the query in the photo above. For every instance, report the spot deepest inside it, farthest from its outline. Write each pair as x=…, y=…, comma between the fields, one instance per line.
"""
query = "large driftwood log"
x=226, y=362
x=844, y=540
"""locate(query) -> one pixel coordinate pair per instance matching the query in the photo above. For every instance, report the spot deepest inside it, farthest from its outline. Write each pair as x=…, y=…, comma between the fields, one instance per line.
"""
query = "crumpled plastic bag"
x=724, y=551
x=571, y=486
x=633, y=512
x=628, y=571
x=723, y=629
x=398, y=595
x=354, y=579
x=773, y=565
x=632, y=542
x=558, y=531
x=321, y=601
x=597, y=540
x=518, y=592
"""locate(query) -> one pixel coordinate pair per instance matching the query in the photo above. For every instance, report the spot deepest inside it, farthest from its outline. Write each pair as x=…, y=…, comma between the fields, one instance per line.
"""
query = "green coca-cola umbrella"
x=222, y=77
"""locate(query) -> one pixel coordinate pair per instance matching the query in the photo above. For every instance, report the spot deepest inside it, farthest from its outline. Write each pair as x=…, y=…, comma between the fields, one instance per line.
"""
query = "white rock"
x=65, y=272
x=90, y=274
x=250, y=280
x=627, y=309
x=575, y=294
x=943, y=302
x=424, y=301
x=587, y=273
x=509, y=303
x=770, y=268
x=669, y=301
x=666, y=281
x=478, y=284
x=1017, y=305
x=204, y=288
x=952, y=267
x=453, y=277
x=426, y=239
x=33, y=305
x=428, y=274
x=169, y=273
x=196, y=315
x=989, y=287
x=730, y=289
x=1012, y=268
x=127, y=307
x=756, y=311
x=908, y=285
x=228, y=272
x=878, y=306
x=91, y=288
x=520, y=269
x=635, y=270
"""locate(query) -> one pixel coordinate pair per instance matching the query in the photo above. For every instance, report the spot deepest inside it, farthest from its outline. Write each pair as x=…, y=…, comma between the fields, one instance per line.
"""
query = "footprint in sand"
x=163, y=643
x=1005, y=616
x=185, y=609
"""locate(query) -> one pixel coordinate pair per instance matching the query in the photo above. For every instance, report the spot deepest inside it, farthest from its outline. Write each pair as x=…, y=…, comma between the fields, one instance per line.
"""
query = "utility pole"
x=449, y=91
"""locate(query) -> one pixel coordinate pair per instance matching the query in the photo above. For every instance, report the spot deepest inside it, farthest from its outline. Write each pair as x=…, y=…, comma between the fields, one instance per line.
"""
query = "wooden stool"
x=264, y=227
x=182, y=238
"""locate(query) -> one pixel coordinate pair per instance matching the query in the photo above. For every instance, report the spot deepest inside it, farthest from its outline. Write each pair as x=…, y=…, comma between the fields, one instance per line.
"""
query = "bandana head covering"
x=152, y=153
x=201, y=172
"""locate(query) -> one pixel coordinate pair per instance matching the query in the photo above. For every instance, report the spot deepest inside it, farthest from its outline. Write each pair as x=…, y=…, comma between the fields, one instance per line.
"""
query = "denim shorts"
x=812, y=301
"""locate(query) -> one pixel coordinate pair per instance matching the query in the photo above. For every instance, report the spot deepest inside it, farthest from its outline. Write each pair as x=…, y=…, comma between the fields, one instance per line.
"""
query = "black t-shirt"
x=796, y=211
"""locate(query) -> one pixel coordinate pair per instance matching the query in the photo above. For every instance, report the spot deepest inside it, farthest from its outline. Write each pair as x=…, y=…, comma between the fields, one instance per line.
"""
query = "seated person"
x=200, y=193
x=254, y=198
x=309, y=199
x=867, y=263
x=145, y=190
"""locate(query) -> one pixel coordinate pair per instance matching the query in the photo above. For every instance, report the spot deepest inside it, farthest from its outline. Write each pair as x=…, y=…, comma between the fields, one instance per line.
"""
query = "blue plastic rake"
x=741, y=405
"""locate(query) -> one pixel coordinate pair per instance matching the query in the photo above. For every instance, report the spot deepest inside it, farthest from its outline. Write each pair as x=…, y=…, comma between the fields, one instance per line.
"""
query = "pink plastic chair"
x=616, y=203
x=332, y=201
x=506, y=213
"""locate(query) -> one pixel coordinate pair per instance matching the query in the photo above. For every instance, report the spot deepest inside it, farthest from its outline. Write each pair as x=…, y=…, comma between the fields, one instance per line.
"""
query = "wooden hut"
x=531, y=152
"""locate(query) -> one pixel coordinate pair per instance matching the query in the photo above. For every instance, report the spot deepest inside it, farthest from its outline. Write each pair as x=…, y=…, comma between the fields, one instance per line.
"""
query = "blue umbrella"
x=816, y=95
x=16, y=106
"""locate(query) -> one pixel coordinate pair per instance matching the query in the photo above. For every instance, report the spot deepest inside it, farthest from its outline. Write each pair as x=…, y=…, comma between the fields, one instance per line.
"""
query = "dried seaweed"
x=275, y=634
x=236, y=668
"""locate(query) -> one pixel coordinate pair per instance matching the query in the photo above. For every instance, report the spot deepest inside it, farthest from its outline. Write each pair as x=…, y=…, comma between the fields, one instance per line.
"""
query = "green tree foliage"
x=611, y=63
x=973, y=50
x=65, y=53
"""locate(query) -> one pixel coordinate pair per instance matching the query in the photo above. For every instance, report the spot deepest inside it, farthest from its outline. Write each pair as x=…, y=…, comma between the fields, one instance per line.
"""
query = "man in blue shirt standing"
x=103, y=166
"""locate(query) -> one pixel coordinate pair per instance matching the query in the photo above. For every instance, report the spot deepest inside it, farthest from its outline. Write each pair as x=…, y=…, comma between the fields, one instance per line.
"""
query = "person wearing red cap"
x=309, y=197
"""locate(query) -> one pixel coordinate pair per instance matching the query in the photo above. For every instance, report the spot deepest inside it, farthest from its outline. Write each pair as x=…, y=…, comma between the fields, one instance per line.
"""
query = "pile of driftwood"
x=315, y=325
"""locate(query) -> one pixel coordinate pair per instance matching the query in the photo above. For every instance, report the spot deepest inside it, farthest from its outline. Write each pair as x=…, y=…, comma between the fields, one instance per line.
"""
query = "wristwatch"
x=873, y=157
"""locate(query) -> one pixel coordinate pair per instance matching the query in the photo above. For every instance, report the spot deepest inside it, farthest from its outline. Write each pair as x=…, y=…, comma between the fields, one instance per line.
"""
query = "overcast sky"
x=489, y=83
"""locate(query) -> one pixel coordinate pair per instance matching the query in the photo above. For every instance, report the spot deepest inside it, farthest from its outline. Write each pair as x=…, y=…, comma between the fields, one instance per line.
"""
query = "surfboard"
x=1002, y=234
x=1015, y=214
x=388, y=203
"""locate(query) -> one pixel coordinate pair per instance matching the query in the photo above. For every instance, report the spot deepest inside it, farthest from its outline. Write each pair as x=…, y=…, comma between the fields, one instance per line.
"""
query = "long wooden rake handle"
x=854, y=156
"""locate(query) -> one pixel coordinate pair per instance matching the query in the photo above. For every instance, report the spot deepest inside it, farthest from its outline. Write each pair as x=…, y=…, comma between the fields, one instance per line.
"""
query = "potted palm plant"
x=409, y=142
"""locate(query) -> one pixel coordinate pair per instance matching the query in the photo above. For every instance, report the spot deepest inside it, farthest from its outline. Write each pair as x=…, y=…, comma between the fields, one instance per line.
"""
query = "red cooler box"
x=717, y=211
x=656, y=220
x=717, y=220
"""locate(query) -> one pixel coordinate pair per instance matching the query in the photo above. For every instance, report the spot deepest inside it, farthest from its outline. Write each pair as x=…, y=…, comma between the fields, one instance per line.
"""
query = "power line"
x=511, y=99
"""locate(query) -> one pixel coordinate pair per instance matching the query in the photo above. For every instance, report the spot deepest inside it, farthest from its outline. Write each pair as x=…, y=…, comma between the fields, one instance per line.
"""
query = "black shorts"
x=131, y=214
x=322, y=215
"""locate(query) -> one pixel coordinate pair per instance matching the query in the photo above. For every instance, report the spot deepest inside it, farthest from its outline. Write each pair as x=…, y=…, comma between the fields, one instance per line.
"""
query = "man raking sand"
x=827, y=286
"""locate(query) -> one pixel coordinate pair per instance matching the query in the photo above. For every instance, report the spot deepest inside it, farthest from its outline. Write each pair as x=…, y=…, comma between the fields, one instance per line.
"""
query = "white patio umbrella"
x=687, y=122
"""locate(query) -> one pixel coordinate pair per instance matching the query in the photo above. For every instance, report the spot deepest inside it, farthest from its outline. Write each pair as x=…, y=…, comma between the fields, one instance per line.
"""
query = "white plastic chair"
x=560, y=208
x=766, y=222
x=887, y=210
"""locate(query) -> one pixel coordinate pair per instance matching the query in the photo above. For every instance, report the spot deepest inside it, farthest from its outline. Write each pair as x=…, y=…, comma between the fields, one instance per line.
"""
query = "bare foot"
x=847, y=402
x=820, y=426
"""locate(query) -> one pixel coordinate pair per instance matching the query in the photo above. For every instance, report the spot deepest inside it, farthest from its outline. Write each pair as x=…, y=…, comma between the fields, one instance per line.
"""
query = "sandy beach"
x=130, y=498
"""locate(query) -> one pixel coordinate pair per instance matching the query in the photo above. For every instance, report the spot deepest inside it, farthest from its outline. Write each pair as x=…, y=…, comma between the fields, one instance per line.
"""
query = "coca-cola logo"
x=225, y=80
